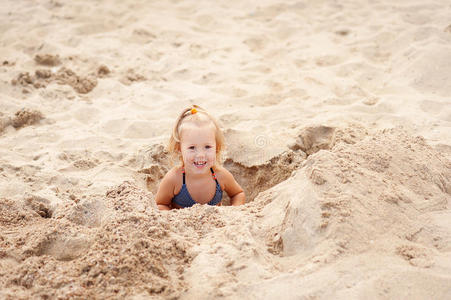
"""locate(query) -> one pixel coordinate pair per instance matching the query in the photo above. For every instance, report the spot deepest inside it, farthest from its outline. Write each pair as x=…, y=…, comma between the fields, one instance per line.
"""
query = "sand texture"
x=337, y=116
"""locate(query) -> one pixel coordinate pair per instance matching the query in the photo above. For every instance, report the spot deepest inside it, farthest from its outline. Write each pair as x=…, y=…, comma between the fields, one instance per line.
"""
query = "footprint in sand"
x=328, y=60
x=64, y=246
x=430, y=72
x=87, y=212
x=142, y=36
x=416, y=255
x=440, y=110
x=256, y=43
x=130, y=76
x=39, y=205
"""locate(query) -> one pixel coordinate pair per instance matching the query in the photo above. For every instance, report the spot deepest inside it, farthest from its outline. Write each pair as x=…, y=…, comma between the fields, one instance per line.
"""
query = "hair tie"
x=193, y=111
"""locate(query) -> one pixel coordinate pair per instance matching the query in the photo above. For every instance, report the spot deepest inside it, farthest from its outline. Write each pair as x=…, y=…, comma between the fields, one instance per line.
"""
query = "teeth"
x=200, y=163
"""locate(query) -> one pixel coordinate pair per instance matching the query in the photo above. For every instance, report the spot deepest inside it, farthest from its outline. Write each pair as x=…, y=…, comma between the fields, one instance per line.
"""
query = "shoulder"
x=227, y=181
x=223, y=175
x=169, y=185
x=172, y=176
x=173, y=173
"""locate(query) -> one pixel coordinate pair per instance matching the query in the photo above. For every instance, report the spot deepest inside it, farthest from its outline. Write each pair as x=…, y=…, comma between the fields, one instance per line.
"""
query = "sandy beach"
x=337, y=119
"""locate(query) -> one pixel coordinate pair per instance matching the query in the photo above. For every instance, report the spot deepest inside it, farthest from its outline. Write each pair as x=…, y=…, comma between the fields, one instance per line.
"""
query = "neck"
x=197, y=175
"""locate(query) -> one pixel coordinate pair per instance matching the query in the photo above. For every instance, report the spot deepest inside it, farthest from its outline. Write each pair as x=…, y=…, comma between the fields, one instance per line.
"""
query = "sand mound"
x=47, y=60
x=26, y=117
x=22, y=118
x=363, y=197
x=375, y=187
x=130, y=76
x=355, y=198
x=128, y=252
x=64, y=76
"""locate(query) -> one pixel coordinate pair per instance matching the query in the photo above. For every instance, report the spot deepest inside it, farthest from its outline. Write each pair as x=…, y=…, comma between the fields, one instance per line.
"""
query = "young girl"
x=198, y=141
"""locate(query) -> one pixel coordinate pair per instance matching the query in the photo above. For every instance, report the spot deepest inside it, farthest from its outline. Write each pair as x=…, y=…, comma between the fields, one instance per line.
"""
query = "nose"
x=200, y=153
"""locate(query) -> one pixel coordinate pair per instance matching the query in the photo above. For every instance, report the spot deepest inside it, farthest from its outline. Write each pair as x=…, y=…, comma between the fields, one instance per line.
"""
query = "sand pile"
x=43, y=77
x=378, y=198
x=375, y=195
x=114, y=246
x=23, y=117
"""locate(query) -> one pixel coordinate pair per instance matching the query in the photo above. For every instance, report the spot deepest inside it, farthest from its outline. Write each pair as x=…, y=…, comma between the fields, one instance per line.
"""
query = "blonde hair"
x=199, y=116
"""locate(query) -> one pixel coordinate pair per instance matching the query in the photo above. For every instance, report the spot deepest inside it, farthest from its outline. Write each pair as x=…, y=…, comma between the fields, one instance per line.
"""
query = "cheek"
x=186, y=155
x=211, y=155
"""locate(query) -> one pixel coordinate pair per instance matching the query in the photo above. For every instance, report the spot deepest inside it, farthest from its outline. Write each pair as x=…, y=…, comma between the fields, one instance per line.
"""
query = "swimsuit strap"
x=214, y=175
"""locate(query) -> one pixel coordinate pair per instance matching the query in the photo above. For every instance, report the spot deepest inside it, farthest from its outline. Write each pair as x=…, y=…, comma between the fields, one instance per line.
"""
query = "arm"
x=238, y=199
x=233, y=189
x=165, y=192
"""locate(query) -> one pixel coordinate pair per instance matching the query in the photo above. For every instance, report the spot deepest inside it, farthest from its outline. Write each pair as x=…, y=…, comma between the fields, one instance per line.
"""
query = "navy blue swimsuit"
x=183, y=198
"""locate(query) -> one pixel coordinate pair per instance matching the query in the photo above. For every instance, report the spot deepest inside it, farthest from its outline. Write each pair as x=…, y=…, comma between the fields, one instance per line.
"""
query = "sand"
x=337, y=118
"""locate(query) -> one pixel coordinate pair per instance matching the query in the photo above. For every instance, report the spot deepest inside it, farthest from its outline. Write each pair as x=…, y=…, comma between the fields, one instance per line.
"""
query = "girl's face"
x=198, y=148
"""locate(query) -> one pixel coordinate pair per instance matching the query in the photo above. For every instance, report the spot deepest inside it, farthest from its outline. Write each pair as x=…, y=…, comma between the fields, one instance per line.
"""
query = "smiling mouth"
x=200, y=163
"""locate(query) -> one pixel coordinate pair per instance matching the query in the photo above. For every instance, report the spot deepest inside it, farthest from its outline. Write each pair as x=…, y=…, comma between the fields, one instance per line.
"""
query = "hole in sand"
x=259, y=178
x=255, y=178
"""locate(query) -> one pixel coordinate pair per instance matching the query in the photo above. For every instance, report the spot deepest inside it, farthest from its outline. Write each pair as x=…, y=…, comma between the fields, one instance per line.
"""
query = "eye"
x=208, y=147
x=191, y=147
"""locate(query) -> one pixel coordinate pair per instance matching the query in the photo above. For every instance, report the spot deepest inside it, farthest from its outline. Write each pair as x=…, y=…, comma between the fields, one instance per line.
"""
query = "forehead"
x=197, y=133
